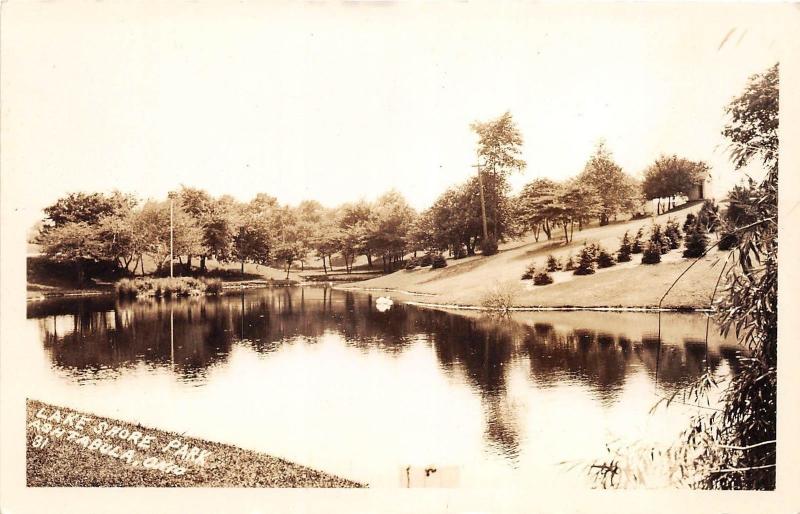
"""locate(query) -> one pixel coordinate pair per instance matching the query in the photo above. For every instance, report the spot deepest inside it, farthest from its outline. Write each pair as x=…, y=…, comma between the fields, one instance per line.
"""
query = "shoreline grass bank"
x=69, y=448
x=466, y=283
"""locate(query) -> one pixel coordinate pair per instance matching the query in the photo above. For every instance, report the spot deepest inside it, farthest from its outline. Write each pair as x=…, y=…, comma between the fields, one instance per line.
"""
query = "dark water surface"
x=323, y=378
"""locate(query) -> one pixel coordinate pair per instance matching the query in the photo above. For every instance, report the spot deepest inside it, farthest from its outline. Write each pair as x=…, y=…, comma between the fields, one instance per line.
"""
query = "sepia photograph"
x=398, y=256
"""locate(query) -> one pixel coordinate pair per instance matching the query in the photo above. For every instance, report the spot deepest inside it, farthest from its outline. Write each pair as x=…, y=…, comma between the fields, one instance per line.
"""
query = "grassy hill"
x=467, y=281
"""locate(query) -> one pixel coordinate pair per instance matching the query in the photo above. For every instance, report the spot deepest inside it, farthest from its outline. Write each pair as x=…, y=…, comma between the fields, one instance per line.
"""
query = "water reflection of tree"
x=482, y=349
x=88, y=335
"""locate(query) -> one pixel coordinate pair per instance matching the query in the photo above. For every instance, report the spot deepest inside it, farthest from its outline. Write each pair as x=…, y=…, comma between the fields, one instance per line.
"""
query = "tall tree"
x=603, y=174
x=197, y=204
x=392, y=221
x=355, y=221
x=88, y=208
x=536, y=206
x=500, y=153
x=576, y=202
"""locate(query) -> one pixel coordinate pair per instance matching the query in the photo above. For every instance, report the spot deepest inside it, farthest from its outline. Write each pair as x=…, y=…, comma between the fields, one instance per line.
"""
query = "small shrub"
x=604, y=259
x=438, y=261
x=412, y=263
x=165, y=287
x=126, y=288
x=569, y=263
x=542, y=279
x=213, y=285
x=708, y=217
x=585, y=261
x=636, y=245
x=553, y=264
x=651, y=253
x=696, y=242
x=727, y=241
x=489, y=246
x=530, y=271
x=673, y=231
x=689, y=222
x=659, y=239
x=624, y=252
x=501, y=296
x=426, y=260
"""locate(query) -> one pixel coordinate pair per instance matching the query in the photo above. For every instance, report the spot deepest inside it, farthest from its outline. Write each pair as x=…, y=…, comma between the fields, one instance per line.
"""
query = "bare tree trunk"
x=324, y=266
x=242, y=268
x=203, y=263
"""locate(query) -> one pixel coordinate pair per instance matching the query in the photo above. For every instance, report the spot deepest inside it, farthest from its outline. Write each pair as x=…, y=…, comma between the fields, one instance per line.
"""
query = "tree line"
x=467, y=218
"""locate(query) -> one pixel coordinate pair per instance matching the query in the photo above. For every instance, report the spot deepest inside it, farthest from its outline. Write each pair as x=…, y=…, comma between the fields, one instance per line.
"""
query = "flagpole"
x=171, y=230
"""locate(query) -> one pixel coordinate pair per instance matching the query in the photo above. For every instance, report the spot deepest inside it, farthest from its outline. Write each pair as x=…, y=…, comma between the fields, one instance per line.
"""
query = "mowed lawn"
x=468, y=281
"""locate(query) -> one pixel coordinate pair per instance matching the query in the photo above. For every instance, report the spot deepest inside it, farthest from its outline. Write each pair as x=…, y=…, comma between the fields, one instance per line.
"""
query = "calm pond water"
x=323, y=378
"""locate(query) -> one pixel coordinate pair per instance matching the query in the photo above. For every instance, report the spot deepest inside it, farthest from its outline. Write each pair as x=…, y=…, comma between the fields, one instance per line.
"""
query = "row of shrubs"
x=434, y=260
x=167, y=287
x=660, y=240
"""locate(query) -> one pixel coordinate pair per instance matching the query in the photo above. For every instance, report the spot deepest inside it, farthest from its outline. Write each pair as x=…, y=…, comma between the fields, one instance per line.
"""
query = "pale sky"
x=337, y=102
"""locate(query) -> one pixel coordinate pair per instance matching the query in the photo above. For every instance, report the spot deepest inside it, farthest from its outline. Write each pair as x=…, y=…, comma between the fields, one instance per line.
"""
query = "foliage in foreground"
x=734, y=448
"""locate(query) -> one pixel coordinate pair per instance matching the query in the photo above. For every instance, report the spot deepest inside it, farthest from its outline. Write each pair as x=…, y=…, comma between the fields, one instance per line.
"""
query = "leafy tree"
x=73, y=242
x=197, y=204
x=670, y=176
x=753, y=126
x=619, y=190
x=537, y=209
x=500, y=152
x=392, y=219
x=88, y=208
x=749, y=306
x=576, y=203
x=219, y=228
x=153, y=224
x=356, y=224
x=89, y=226
x=117, y=239
x=254, y=231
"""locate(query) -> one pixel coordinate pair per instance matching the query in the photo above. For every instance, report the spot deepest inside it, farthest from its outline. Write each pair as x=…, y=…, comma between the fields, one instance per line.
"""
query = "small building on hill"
x=703, y=190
